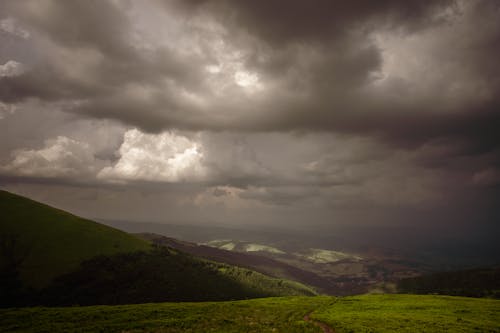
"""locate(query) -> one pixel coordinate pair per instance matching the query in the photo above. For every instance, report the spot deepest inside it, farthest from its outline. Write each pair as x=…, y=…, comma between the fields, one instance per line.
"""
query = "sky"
x=285, y=114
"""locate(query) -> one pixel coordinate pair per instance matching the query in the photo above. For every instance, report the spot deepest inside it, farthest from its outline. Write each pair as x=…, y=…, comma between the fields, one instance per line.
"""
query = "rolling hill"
x=51, y=257
x=262, y=264
x=44, y=242
x=330, y=272
x=160, y=275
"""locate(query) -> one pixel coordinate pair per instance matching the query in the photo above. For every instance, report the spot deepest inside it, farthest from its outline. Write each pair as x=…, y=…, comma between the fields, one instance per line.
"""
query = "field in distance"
x=367, y=313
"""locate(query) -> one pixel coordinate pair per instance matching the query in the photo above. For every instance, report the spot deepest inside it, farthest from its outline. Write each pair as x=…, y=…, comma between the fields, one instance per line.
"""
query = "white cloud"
x=11, y=68
x=11, y=26
x=157, y=157
x=246, y=79
x=60, y=157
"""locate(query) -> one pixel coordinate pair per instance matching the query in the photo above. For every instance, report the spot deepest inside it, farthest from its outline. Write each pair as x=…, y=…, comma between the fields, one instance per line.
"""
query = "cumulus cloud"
x=11, y=68
x=165, y=157
x=60, y=157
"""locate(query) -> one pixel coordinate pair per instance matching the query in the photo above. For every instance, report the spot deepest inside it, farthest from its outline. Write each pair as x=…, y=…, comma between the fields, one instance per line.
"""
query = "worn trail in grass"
x=324, y=327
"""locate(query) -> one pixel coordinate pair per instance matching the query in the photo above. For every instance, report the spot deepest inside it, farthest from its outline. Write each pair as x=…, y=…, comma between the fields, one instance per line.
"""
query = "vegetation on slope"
x=284, y=314
x=411, y=313
x=368, y=313
x=162, y=275
x=262, y=264
x=40, y=242
x=472, y=283
x=69, y=260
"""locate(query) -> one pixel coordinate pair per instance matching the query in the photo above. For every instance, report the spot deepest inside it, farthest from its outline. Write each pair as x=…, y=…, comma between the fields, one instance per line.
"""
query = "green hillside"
x=369, y=313
x=160, y=275
x=45, y=242
x=70, y=260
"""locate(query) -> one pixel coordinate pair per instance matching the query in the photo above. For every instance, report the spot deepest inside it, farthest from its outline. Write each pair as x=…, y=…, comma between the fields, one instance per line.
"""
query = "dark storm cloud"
x=94, y=24
x=282, y=22
x=85, y=53
x=318, y=63
x=307, y=106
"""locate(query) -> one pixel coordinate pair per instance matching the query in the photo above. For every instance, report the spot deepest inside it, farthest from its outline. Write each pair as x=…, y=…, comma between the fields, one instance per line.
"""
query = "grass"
x=411, y=313
x=53, y=241
x=284, y=314
x=367, y=313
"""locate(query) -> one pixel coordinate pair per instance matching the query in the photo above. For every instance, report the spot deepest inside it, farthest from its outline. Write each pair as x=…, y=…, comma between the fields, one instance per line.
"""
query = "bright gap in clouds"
x=246, y=79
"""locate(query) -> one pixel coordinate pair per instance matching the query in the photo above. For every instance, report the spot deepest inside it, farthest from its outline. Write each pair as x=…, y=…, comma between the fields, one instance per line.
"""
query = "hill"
x=262, y=264
x=331, y=272
x=41, y=242
x=51, y=257
x=368, y=313
x=160, y=275
x=484, y=282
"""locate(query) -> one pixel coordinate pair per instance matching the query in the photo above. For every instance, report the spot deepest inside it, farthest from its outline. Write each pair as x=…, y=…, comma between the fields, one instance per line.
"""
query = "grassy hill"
x=369, y=313
x=46, y=242
x=160, y=275
x=69, y=260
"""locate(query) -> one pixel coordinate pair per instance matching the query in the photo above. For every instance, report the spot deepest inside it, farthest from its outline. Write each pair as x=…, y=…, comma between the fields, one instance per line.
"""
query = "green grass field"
x=54, y=241
x=257, y=315
x=411, y=313
x=367, y=313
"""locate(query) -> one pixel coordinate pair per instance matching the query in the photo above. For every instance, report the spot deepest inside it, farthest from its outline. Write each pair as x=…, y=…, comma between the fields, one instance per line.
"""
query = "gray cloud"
x=319, y=67
x=320, y=19
x=296, y=110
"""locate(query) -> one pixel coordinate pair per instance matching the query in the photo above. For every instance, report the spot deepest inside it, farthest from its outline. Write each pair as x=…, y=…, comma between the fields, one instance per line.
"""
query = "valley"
x=329, y=271
x=104, y=279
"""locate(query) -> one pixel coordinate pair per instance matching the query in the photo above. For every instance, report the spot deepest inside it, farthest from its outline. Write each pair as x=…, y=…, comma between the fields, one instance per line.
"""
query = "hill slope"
x=44, y=242
x=70, y=260
x=258, y=263
x=370, y=313
x=160, y=275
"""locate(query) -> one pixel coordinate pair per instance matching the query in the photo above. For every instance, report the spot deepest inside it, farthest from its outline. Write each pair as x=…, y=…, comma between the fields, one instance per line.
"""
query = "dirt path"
x=324, y=327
